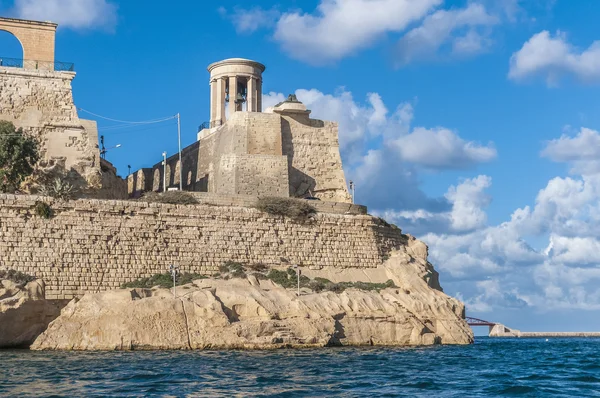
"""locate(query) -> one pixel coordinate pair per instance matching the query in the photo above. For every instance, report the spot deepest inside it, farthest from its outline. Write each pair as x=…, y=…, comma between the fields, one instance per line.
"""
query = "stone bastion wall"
x=95, y=245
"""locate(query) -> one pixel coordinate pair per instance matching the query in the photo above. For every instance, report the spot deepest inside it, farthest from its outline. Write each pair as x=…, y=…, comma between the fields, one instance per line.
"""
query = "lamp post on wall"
x=174, y=271
x=180, y=162
x=298, y=275
x=164, y=171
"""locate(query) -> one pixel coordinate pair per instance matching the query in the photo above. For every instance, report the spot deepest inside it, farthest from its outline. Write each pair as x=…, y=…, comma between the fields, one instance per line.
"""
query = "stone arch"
x=37, y=40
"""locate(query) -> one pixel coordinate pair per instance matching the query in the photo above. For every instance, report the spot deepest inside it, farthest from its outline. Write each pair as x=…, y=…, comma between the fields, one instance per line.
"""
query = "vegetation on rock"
x=59, y=189
x=43, y=210
x=231, y=269
x=170, y=197
x=162, y=280
x=16, y=277
x=18, y=155
x=292, y=208
x=287, y=279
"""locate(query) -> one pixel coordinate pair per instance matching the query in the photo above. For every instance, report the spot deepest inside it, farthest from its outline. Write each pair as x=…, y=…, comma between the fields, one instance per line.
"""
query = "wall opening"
x=11, y=50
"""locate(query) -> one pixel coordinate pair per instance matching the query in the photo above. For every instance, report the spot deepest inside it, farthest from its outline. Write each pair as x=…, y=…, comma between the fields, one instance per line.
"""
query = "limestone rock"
x=257, y=314
x=24, y=313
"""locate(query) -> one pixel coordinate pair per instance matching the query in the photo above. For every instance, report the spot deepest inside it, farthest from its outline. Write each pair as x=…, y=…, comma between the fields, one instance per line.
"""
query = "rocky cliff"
x=24, y=312
x=256, y=314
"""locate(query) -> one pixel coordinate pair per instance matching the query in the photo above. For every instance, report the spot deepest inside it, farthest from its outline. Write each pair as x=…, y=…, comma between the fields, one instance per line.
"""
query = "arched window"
x=11, y=50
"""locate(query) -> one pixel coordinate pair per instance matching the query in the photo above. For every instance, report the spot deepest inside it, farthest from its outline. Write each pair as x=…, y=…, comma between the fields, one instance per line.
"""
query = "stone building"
x=36, y=95
x=244, y=151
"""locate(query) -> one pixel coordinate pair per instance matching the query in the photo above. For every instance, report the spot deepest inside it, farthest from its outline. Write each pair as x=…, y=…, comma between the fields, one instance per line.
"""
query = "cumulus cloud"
x=338, y=28
x=74, y=14
x=582, y=151
x=463, y=29
x=564, y=275
x=468, y=201
x=441, y=148
x=251, y=20
x=552, y=57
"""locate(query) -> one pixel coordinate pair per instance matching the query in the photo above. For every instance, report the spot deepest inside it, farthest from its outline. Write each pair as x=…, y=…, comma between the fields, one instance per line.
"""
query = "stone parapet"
x=96, y=245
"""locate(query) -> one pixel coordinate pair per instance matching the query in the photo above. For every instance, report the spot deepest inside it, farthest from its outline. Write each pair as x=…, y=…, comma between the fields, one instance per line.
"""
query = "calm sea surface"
x=490, y=367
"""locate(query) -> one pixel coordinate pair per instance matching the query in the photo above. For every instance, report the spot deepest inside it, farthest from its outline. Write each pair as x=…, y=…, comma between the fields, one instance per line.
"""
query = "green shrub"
x=43, y=210
x=292, y=208
x=281, y=278
x=170, y=197
x=259, y=267
x=18, y=155
x=233, y=269
x=17, y=277
x=59, y=188
x=162, y=280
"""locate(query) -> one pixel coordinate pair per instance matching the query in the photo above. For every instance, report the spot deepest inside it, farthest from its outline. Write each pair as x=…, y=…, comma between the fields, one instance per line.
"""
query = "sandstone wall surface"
x=41, y=103
x=95, y=245
x=315, y=164
x=259, y=154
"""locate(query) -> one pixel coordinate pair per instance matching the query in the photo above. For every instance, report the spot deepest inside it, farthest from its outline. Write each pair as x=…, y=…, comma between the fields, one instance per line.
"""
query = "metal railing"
x=205, y=125
x=32, y=64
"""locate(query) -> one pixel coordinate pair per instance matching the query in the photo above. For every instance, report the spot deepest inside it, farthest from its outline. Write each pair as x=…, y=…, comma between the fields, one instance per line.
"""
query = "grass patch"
x=17, y=277
x=170, y=197
x=232, y=269
x=162, y=280
x=287, y=279
x=43, y=210
x=292, y=208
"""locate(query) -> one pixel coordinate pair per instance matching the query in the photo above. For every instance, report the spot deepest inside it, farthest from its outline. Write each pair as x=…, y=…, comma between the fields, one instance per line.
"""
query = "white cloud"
x=340, y=27
x=552, y=57
x=75, y=14
x=251, y=20
x=461, y=28
x=565, y=275
x=441, y=148
x=468, y=201
x=583, y=151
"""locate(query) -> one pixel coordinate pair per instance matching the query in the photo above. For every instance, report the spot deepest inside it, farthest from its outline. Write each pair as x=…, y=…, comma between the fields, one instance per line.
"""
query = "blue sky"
x=471, y=124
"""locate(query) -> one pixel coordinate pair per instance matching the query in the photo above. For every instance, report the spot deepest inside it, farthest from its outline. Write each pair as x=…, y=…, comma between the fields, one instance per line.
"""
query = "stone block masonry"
x=96, y=245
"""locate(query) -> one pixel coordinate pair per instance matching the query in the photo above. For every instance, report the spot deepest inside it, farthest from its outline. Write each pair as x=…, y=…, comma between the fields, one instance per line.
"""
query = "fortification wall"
x=94, y=245
x=41, y=102
x=315, y=164
x=256, y=153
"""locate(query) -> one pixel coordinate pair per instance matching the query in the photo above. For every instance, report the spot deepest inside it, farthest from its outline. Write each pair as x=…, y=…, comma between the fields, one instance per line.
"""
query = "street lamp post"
x=298, y=275
x=174, y=271
x=164, y=171
x=180, y=162
x=353, y=190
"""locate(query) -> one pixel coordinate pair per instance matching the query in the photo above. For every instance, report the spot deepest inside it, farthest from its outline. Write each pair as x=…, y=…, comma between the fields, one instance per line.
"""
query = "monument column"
x=258, y=95
x=213, y=100
x=233, y=81
x=219, y=102
x=251, y=104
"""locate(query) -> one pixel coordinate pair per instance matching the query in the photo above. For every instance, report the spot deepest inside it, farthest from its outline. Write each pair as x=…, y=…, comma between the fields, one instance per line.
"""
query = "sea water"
x=488, y=368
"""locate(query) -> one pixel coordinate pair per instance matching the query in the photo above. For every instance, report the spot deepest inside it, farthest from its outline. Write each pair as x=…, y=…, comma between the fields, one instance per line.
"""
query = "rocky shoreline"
x=253, y=313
